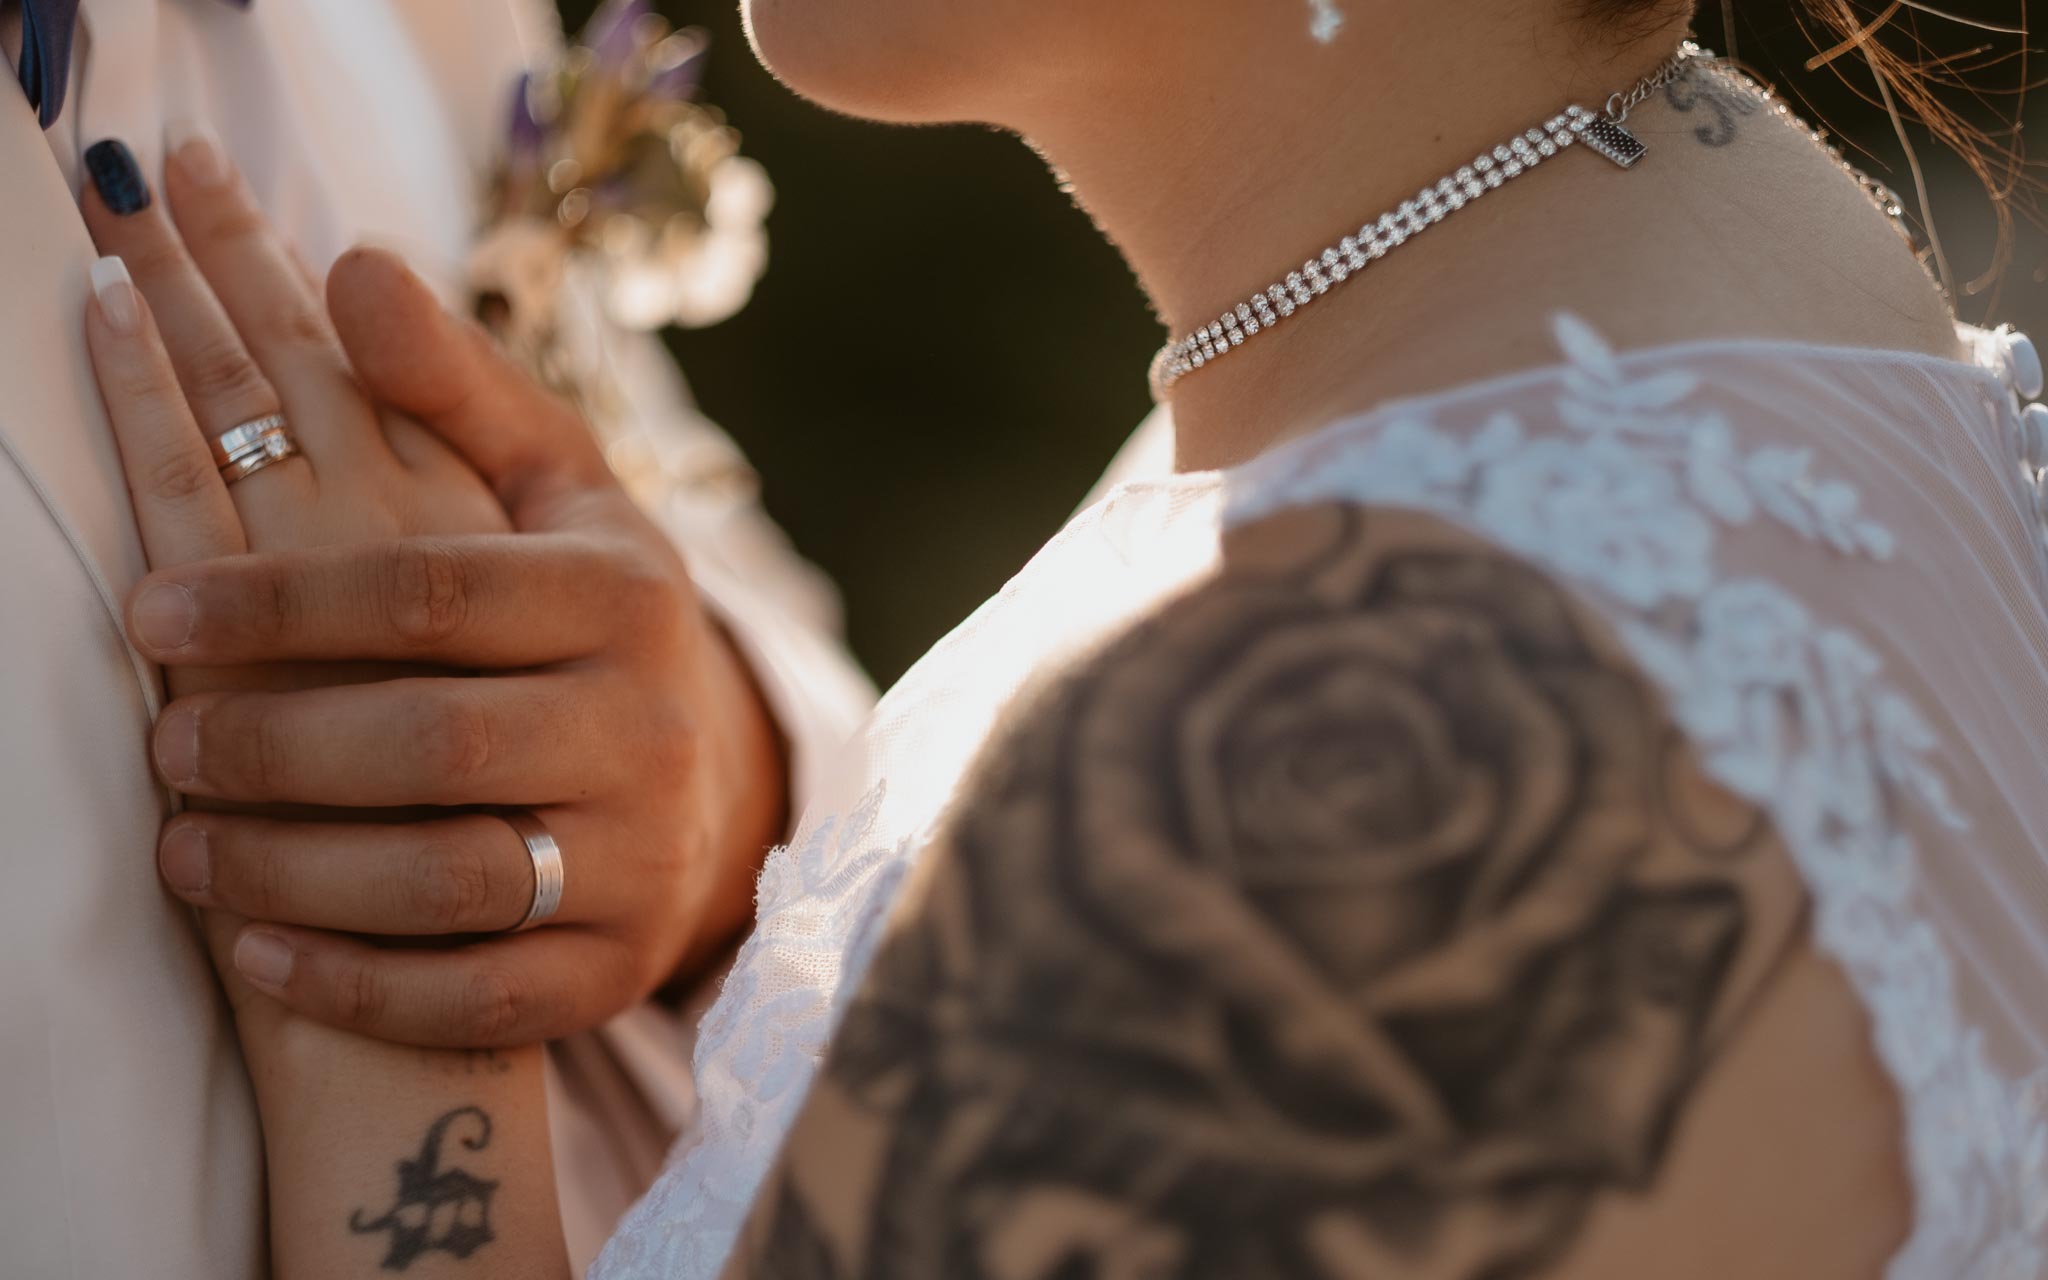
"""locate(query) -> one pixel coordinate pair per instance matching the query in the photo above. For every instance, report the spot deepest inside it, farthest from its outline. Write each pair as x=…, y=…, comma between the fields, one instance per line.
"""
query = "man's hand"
x=606, y=701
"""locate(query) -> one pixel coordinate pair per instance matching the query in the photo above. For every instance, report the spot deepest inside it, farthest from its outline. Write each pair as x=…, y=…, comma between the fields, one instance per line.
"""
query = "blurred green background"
x=943, y=355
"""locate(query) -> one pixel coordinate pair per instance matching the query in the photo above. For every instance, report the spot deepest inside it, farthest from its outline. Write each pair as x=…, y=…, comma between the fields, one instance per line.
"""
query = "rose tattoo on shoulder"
x=1336, y=921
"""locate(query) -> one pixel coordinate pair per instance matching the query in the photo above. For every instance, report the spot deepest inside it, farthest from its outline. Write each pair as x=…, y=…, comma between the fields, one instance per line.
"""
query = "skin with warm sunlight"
x=1143, y=105
x=1362, y=911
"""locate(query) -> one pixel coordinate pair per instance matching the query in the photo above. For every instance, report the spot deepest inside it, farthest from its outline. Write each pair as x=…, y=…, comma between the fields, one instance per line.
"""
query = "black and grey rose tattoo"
x=1333, y=923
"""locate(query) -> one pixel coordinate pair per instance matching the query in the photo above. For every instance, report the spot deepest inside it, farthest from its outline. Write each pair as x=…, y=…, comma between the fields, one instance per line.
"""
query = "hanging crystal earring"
x=1327, y=21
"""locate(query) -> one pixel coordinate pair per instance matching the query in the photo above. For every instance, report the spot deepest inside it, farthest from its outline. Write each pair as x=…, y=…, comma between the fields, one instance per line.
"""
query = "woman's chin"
x=858, y=59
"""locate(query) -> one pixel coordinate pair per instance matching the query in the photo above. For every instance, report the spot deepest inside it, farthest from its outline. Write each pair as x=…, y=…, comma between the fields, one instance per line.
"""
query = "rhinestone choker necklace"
x=1601, y=132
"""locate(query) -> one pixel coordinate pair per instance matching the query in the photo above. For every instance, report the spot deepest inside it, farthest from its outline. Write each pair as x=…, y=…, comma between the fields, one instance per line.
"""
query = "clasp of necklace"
x=1605, y=134
x=1621, y=101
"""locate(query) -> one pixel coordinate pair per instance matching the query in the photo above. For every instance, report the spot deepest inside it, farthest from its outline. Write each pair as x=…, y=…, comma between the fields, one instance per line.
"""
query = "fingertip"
x=196, y=154
x=119, y=302
x=162, y=617
x=366, y=282
x=265, y=958
x=174, y=745
x=392, y=326
x=184, y=859
x=369, y=265
x=117, y=177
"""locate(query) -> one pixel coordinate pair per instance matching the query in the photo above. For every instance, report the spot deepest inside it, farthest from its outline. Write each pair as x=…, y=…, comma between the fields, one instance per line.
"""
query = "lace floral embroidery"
x=1791, y=713
x=819, y=910
x=1624, y=498
x=1326, y=20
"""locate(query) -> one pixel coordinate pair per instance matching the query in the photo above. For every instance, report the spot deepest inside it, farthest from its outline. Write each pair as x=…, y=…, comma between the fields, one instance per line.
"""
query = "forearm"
x=386, y=1159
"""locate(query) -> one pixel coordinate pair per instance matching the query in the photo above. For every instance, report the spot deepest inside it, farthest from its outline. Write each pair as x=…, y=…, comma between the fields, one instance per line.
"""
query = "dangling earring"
x=1327, y=22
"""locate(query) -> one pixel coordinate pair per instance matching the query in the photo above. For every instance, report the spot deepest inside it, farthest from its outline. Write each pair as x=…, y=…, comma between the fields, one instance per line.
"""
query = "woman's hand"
x=621, y=716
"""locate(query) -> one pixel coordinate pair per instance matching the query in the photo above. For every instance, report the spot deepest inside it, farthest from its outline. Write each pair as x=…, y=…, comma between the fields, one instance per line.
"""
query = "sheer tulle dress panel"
x=1829, y=560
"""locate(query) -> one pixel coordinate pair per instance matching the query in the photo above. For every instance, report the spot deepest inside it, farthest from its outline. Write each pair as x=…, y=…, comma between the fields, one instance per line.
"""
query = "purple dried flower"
x=526, y=134
x=610, y=34
x=676, y=64
x=681, y=80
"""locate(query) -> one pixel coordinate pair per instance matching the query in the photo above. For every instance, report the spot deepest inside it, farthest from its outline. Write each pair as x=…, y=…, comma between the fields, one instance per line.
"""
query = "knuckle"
x=234, y=222
x=673, y=742
x=429, y=593
x=180, y=474
x=455, y=741
x=147, y=383
x=647, y=594
x=275, y=609
x=356, y=996
x=300, y=325
x=450, y=886
x=267, y=881
x=266, y=753
x=156, y=257
x=221, y=372
x=653, y=604
x=495, y=1006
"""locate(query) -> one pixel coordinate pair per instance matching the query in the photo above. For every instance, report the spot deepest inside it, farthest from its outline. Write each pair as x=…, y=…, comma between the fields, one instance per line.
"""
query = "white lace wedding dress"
x=1831, y=560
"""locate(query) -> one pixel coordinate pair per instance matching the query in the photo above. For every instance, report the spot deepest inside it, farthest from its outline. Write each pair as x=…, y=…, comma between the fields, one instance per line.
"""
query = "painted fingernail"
x=198, y=152
x=165, y=616
x=117, y=177
x=184, y=861
x=177, y=746
x=264, y=959
x=115, y=289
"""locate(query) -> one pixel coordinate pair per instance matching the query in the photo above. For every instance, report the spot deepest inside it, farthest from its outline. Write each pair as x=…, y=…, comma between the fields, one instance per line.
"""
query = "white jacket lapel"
x=53, y=426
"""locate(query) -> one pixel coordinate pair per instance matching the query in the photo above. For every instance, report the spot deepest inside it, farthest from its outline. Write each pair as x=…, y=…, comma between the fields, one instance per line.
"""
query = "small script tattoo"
x=1725, y=102
x=436, y=1210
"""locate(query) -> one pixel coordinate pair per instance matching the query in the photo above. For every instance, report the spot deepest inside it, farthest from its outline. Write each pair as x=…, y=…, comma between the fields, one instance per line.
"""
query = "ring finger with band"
x=473, y=874
x=223, y=384
x=242, y=451
x=546, y=856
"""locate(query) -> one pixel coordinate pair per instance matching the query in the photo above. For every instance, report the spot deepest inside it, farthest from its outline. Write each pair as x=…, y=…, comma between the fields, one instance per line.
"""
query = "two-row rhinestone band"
x=1352, y=254
x=1263, y=310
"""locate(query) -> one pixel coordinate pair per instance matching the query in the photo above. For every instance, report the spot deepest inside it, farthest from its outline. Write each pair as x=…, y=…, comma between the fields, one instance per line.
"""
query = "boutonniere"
x=615, y=176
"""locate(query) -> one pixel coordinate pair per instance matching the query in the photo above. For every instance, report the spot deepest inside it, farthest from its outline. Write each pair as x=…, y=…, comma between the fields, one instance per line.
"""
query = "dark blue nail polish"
x=117, y=176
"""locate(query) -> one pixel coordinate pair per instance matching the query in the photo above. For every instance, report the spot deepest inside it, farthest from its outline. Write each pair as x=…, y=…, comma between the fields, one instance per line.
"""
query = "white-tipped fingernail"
x=197, y=151
x=114, y=288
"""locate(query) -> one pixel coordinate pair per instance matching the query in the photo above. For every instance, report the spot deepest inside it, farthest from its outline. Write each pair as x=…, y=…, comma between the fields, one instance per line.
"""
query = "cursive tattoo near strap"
x=436, y=1210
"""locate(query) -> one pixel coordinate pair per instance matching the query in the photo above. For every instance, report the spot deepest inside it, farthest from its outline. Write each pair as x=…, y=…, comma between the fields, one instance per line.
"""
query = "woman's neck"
x=1230, y=156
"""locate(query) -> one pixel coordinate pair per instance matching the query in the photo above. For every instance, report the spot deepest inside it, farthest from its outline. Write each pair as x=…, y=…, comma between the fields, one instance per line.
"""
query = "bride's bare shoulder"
x=1735, y=225
x=1358, y=912
x=1756, y=230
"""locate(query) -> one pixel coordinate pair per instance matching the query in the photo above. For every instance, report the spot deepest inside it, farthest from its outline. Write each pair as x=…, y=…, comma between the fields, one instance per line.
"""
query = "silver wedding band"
x=242, y=451
x=547, y=866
